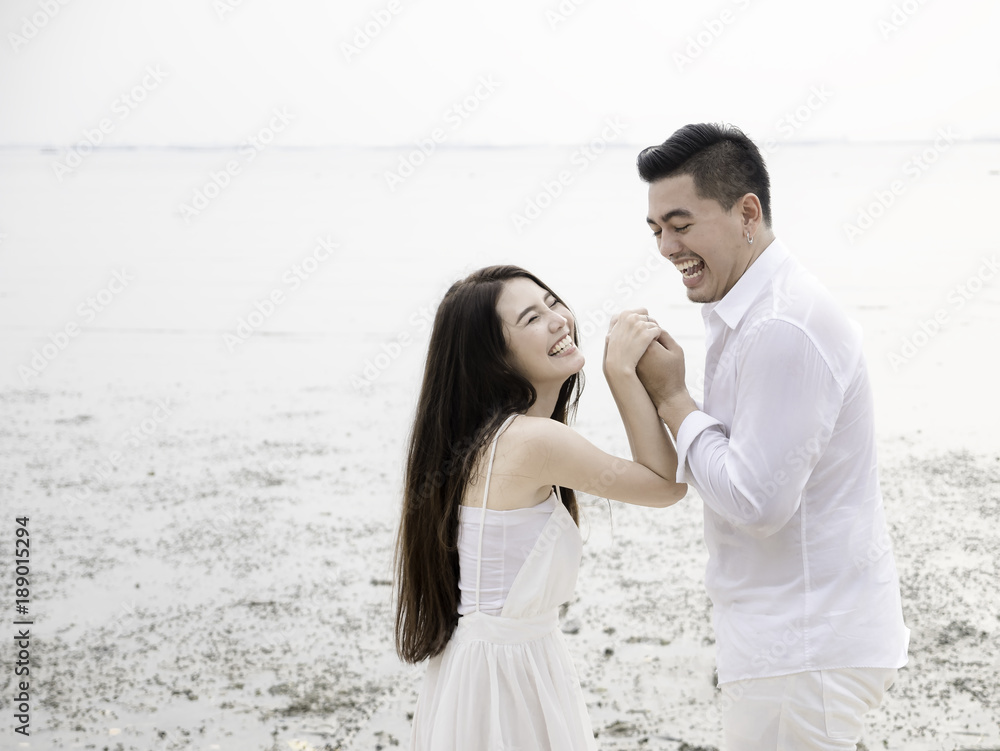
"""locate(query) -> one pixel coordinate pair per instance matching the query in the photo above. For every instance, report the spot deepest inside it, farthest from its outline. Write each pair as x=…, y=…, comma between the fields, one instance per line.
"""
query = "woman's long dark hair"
x=470, y=387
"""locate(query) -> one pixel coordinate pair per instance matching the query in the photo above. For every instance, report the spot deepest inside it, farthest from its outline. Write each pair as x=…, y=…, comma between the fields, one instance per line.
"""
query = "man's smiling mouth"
x=691, y=268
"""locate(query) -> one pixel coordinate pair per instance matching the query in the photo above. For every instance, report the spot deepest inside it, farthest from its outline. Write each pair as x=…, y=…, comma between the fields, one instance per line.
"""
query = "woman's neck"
x=545, y=402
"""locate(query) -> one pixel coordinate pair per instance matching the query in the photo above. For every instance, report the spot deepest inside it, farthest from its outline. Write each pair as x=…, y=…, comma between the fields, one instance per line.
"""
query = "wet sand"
x=228, y=586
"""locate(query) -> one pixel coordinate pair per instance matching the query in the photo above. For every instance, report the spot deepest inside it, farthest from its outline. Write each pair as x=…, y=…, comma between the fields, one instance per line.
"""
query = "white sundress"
x=507, y=682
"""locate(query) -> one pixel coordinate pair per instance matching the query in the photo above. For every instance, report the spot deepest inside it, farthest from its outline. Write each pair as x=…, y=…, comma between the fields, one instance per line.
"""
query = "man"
x=806, y=604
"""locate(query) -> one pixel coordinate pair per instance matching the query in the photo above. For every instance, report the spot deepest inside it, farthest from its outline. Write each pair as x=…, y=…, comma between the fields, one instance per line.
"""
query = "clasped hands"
x=636, y=346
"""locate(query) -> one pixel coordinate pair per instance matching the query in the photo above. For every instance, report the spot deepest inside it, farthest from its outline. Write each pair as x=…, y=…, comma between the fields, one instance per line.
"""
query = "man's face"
x=704, y=242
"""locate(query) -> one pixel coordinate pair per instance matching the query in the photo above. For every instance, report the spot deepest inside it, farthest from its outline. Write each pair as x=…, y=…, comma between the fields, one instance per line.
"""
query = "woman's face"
x=539, y=333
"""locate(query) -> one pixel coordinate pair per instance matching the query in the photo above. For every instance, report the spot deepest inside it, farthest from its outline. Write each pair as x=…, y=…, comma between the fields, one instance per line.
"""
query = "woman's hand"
x=629, y=334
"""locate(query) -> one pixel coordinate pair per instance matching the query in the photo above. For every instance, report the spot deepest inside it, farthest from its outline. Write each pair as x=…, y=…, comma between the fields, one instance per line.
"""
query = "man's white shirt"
x=800, y=572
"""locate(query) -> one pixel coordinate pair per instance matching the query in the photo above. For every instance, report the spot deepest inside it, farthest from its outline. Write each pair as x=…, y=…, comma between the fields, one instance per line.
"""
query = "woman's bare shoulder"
x=527, y=427
x=521, y=451
x=531, y=439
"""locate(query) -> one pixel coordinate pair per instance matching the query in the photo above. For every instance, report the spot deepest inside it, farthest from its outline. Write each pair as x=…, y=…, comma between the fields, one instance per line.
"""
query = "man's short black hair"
x=723, y=162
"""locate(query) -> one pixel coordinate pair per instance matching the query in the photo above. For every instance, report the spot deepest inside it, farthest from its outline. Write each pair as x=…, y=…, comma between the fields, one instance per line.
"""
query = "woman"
x=488, y=544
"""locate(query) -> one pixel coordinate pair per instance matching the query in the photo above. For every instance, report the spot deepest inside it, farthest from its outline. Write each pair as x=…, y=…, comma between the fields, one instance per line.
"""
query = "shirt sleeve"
x=787, y=403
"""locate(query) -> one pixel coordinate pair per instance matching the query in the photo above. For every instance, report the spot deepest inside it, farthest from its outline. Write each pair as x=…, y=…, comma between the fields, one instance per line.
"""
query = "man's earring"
x=749, y=239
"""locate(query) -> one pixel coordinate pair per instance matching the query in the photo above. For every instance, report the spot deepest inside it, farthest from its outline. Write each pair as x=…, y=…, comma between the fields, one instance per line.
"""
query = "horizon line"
x=845, y=141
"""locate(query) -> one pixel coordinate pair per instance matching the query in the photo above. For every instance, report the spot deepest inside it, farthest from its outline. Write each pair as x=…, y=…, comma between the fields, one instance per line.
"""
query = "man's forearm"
x=673, y=409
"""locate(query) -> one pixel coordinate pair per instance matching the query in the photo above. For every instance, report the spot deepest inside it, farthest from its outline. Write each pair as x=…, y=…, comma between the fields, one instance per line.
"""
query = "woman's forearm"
x=647, y=437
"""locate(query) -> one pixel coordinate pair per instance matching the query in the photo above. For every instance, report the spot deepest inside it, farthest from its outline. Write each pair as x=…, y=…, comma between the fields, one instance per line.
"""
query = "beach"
x=204, y=405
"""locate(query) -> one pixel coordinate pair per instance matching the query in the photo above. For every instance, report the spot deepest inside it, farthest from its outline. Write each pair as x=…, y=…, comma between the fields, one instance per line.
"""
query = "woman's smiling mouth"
x=561, y=346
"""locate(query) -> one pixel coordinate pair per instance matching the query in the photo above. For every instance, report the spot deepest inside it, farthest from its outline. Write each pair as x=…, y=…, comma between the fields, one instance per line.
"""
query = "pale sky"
x=392, y=72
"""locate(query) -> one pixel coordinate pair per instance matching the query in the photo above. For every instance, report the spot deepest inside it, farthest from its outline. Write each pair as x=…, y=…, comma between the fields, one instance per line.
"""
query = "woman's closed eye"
x=552, y=303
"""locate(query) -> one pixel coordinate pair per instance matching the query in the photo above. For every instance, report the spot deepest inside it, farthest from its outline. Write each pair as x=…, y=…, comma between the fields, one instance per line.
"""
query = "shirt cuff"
x=691, y=428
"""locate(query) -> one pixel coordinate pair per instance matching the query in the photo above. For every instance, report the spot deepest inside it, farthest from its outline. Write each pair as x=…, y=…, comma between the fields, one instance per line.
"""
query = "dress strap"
x=482, y=516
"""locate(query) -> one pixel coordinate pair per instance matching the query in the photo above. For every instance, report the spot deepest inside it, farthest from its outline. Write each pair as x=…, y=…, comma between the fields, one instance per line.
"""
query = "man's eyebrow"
x=532, y=307
x=670, y=215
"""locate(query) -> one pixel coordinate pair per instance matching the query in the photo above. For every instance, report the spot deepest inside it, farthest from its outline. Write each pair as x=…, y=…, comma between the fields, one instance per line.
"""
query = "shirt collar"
x=736, y=302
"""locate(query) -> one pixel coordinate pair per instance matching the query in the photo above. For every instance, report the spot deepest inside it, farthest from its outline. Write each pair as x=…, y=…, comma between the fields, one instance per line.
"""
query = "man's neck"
x=764, y=240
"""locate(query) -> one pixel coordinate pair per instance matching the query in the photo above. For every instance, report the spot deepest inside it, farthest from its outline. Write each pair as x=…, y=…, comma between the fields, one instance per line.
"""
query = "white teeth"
x=685, y=266
x=562, y=344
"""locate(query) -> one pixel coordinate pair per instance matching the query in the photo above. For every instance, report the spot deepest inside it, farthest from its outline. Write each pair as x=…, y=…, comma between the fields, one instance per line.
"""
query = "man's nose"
x=668, y=246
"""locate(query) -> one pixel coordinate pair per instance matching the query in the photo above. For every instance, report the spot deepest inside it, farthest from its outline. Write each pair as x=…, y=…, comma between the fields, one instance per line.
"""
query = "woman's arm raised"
x=630, y=333
x=555, y=454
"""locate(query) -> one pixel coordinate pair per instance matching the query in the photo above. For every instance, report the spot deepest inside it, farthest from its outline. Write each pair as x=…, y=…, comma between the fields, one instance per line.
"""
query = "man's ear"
x=751, y=213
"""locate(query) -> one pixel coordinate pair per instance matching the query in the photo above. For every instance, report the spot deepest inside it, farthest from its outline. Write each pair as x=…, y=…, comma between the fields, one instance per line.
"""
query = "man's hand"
x=661, y=371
